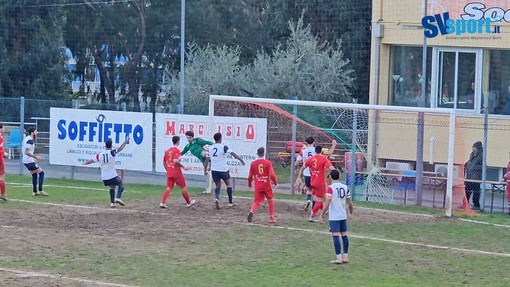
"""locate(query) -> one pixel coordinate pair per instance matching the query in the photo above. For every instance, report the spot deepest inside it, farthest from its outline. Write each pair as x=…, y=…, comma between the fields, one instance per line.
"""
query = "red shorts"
x=319, y=190
x=2, y=165
x=261, y=195
x=177, y=180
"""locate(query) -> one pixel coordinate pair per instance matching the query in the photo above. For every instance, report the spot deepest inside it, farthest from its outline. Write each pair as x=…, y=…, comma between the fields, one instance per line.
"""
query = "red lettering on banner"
x=169, y=127
x=182, y=128
x=238, y=134
x=192, y=127
x=229, y=131
x=250, y=132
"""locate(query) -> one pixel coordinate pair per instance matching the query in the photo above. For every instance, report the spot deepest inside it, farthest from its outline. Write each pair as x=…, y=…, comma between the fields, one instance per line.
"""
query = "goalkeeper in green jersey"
x=196, y=147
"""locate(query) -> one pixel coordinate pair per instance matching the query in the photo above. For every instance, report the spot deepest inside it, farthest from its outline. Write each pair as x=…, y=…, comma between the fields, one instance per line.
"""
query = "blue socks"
x=308, y=197
x=119, y=192
x=112, y=195
x=217, y=191
x=229, y=193
x=345, y=241
x=41, y=180
x=34, y=182
x=336, y=242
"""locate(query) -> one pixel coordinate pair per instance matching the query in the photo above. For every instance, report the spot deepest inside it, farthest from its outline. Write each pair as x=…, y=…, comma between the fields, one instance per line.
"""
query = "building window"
x=406, y=77
x=456, y=79
x=498, y=89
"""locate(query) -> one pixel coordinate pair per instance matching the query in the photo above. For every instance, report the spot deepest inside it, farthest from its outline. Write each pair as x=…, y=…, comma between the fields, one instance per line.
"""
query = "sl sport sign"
x=78, y=135
x=242, y=135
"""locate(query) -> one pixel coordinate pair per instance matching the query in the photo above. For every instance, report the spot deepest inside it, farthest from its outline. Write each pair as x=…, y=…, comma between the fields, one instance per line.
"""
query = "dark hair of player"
x=261, y=151
x=190, y=134
x=1, y=125
x=31, y=130
x=217, y=137
x=108, y=144
x=335, y=174
x=318, y=149
x=309, y=140
x=176, y=139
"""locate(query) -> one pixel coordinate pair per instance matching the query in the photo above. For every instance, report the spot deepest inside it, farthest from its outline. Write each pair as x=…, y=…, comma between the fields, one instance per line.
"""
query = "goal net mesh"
x=380, y=146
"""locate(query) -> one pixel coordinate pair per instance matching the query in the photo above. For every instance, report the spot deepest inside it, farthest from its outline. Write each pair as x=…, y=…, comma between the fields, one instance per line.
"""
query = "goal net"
x=378, y=146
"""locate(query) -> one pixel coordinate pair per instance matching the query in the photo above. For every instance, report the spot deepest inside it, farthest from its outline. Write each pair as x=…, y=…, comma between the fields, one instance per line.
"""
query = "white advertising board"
x=78, y=135
x=242, y=135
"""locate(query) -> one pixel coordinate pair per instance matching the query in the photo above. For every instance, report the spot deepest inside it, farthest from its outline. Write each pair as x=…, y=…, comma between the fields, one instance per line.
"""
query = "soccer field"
x=72, y=238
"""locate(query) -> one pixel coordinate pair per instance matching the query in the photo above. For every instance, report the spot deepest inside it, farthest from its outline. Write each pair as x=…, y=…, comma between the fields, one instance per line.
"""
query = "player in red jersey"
x=319, y=166
x=261, y=170
x=2, y=164
x=174, y=175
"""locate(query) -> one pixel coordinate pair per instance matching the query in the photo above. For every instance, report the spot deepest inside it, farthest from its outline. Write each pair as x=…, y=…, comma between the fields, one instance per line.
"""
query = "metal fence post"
x=22, y=127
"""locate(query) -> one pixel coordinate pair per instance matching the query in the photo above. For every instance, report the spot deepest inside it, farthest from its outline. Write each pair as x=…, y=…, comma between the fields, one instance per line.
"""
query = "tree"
x=32, y=53
x=209, y=70
x=301, y=67
x=102, y=31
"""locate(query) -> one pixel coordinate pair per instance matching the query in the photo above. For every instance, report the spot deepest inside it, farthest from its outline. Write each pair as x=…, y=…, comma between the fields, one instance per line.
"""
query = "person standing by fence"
x=473, y=169
x=30, y=161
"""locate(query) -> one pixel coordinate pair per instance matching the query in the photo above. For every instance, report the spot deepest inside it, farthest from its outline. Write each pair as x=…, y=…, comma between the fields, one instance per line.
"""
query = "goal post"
x=377, y=145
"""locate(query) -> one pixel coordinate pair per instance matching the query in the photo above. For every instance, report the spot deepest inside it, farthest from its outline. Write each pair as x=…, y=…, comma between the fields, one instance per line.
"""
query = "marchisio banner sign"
x=242, y=135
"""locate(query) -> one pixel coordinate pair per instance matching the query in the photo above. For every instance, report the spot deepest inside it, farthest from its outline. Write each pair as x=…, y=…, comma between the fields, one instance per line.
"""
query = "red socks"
x=318, y=206
x=165, y=195
x=185, y=194
x=270, y=206
x=2, y=187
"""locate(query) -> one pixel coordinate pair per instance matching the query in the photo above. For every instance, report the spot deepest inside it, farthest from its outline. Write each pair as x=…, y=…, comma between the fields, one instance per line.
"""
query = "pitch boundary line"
x=289, y=201
x=52, y=276
x=430, y=246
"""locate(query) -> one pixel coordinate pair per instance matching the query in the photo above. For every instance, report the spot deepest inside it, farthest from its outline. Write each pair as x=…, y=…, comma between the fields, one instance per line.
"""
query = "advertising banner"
x=78, y=135
x=242, y=135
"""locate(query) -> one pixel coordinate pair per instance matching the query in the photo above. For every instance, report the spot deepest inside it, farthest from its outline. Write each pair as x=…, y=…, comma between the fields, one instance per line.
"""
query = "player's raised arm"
x=332, y=149
x=123, y=145
x=91, y=160
x=235, y=155
x=203, y=142
x=186, y=149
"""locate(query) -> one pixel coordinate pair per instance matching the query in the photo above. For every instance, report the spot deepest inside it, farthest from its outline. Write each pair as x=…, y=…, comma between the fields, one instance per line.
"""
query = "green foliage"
x=32, y=51
x=210, y=70
x=299, y=67
x=302, y=67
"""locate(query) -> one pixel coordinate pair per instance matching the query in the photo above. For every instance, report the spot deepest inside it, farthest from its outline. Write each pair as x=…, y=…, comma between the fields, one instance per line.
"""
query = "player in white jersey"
x=107, y=159
x=30, y=161
x=338, y=198
x=306, y=153
x=219, y=168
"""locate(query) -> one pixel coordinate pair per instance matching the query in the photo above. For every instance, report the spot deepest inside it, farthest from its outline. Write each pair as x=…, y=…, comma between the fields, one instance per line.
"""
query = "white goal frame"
x=450, y=112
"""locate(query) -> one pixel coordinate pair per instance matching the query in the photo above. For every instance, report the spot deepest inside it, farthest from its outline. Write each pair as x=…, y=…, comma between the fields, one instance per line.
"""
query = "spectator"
x=473, y=170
